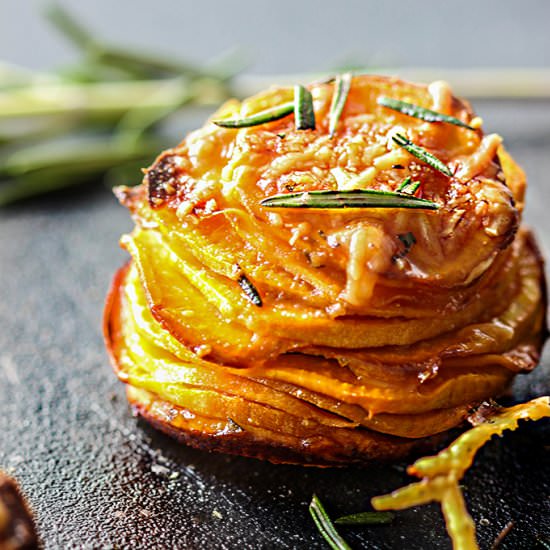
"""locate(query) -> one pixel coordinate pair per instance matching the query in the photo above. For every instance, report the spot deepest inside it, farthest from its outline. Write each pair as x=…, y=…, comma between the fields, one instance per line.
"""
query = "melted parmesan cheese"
x=369, y=254
x=481, y=159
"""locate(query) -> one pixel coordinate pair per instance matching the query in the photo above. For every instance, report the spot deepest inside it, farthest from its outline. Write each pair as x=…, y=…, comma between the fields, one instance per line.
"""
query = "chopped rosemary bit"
x=250, y=290
x=355, y=198
x=341, y=91
x=366, y=518
x=404, y=184
x=421, y=154
x=408, y=239
x=408, y=186
x=411, y=190
x=303, y=109
x=325, y=526
x=420, y=112
x=263, y=117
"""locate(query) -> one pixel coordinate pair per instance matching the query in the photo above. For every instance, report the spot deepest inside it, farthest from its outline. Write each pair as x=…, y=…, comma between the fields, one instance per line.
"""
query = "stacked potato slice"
x=325, y=336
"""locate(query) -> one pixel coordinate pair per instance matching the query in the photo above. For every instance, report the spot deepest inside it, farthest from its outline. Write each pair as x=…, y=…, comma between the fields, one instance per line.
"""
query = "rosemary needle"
x=263, y=117
x=365, y=518
x=342, y=87
x=421, y=154
x=250, y=291
x=325, y=525
x=303, y=109
x=408, y=186
x=134, y=63
x=420, y=112
x=355, y=198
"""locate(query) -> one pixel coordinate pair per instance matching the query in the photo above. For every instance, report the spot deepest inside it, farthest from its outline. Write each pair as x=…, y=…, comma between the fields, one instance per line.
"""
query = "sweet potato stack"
x=326, y=336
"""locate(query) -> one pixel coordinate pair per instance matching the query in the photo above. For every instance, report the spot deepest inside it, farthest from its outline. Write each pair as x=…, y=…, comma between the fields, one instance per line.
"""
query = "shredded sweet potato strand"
x=441, y=473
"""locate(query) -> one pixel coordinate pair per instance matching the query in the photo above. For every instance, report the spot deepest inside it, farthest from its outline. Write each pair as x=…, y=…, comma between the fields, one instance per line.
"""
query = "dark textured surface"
x=98, y=478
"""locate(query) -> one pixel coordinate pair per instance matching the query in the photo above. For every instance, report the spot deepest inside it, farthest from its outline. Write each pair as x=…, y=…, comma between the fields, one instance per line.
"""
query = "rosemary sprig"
x=250, y=290
x=408, y=186
x=104, y=101
x=60, y=129
x=80, y=152
x=408, y=240
x=56, y=165
x=263, y=117
x=139, y=64
x=421, y=154
x=420, y=112
x=355, y=198
x=303, y=109
x=365, y=518
x=342, y=87
x=325, y=526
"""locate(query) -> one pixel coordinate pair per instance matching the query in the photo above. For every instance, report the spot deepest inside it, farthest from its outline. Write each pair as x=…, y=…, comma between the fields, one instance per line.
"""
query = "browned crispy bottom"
x=177, y=422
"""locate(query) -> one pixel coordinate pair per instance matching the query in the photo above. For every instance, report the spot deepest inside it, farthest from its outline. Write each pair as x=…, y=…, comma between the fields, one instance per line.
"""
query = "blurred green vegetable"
x=96, y=119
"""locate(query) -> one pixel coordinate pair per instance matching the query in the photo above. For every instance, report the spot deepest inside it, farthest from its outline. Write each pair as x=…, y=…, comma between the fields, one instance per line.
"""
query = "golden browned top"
x=217, y=171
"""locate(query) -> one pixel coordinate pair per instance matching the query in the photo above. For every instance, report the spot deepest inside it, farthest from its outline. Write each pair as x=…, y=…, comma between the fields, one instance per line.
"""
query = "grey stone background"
x=286, y=36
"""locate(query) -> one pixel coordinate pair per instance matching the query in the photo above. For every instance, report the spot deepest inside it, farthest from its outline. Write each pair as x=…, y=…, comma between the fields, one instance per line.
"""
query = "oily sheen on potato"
x=321, y=335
